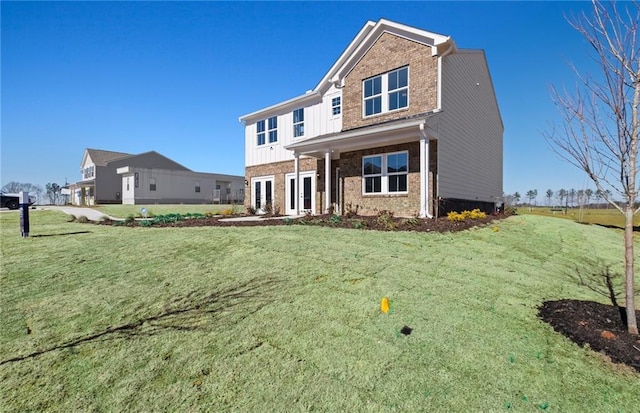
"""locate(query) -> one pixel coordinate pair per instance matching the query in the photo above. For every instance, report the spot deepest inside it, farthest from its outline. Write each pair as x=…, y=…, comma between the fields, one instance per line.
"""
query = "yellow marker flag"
x=384, y=305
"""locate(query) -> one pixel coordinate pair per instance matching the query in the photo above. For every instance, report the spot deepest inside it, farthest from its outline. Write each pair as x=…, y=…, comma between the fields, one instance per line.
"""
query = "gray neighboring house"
x=149, y=178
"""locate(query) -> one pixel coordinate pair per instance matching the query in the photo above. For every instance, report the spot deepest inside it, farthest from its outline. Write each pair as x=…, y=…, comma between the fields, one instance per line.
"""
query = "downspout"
x=424, y=172
x=451, y=49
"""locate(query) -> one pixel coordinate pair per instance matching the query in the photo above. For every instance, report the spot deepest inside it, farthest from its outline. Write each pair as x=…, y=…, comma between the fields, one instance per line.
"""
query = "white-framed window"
x=273, y=129
x=298, y=122
x=152, y=184
x=386, y=92
x=385, y=173
x=260, y=131
x=336, y=106
x=197, y=186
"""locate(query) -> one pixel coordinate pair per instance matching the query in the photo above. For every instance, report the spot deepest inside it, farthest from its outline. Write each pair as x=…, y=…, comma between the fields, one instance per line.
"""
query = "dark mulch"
x=598, y=325
x=384, y=223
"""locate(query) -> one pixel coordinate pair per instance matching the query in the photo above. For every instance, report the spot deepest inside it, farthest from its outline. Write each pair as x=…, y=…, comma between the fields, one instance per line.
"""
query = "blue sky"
x=175, y=76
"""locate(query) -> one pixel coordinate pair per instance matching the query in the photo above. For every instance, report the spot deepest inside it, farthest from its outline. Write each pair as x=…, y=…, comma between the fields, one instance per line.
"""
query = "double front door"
x=306, y=194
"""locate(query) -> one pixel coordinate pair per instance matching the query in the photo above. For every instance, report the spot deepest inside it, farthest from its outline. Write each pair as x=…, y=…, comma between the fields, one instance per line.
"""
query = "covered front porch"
x=83, y=193
x=343, y=155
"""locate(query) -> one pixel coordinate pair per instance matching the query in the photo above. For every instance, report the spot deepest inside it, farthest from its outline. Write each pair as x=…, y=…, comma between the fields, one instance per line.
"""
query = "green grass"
x=122, y=211
x=287, y=319
x=602, y=216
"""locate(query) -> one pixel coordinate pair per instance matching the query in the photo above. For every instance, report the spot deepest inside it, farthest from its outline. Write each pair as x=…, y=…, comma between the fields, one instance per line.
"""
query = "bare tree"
x=549, y=196
x=601, y=118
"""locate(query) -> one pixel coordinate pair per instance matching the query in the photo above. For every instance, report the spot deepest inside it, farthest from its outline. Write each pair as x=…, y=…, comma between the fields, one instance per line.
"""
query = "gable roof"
x=151, y=159
x=364, y=40
x=100, y=157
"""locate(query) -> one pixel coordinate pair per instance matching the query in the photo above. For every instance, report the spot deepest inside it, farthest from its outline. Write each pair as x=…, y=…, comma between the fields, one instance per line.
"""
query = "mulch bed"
x=384, y=223
x=594, y=324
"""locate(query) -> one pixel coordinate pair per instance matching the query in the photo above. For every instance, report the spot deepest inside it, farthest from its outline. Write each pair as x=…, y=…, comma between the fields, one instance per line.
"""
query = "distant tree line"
x=567, y=198
x=51, y=194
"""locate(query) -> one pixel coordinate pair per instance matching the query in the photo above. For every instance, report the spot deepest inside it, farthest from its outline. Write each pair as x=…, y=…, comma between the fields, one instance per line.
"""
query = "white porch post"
x=424, y=173
x=296, y=171
x=327, y=181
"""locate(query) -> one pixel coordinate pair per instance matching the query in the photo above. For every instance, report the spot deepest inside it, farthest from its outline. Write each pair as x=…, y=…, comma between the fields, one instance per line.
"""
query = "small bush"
x=358, y=223
x=464, y=215
x=385, y=219
x=129, y=220
x=82, y=219
x=251, y=210
x=146, y=223
x=335, y=220
x=71, y=218
x=227, y=211
x=352, y=211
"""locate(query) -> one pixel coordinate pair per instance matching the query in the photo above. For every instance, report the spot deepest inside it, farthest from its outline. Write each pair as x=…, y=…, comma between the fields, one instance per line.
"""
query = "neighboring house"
x=403, y=121
x=150, y=178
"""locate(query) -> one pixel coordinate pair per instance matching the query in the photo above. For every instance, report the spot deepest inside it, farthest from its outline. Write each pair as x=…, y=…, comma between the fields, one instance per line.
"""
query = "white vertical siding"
x=318, y=120
x=470, y=130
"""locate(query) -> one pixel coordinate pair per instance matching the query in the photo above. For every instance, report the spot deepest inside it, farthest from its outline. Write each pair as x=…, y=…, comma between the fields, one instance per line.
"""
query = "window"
x=136, y=180
x=197, y=186
x=386, y=92
x=152, y=184
x=273, y=129
x=373, y=96
x=127, y=183
x=298, y=122
x=386, y=173
x=398, y=88
x=372, y=173
x=260, y=129
x=336, y=107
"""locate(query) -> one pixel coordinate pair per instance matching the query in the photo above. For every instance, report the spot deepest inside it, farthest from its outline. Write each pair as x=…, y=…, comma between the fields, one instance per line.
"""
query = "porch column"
x=424, y=177
x=327, y=181
x=296, y=171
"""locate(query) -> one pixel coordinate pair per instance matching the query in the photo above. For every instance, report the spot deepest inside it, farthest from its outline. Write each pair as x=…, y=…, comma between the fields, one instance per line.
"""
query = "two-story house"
x=403, y=121
x=149, y=178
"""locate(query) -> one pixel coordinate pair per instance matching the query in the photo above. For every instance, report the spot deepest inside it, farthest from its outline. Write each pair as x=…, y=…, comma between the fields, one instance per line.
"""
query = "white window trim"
x=263, y=132
x=384, y=93
x=384, y=174
x=270, y=129
x=339, y=105
x=297, y=123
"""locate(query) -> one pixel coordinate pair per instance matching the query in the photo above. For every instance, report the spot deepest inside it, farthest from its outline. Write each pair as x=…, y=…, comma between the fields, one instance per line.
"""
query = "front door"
x=307, y=195
x=262, y=194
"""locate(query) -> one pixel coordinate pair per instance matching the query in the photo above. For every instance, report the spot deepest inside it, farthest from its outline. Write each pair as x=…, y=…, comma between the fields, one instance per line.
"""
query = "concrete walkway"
x=90, y=213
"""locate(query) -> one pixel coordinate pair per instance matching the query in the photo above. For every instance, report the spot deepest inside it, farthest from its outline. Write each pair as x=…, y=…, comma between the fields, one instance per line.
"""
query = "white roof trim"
x=282, y=107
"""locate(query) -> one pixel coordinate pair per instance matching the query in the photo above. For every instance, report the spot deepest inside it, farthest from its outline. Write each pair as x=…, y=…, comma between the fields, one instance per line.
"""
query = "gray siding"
x=469, y=130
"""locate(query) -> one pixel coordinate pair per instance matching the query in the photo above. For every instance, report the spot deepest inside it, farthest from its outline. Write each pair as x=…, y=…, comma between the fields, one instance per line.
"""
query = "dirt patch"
x=594, y=324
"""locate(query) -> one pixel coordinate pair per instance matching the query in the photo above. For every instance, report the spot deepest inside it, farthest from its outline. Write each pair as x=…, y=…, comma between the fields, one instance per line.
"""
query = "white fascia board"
x=124, y=170
x=308, y=98
x=433, y=40
x=367, y=136
x=362, y=34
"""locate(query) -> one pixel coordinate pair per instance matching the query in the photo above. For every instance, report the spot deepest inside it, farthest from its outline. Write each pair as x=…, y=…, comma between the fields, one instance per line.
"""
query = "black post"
x=24, y=214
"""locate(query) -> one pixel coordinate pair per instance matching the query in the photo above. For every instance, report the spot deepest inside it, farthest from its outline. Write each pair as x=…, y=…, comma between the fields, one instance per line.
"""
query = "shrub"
x=464, y=215
x=82, y=219
x=268, y=208
x=358, y=223
x=351, y=210
x=71, y=218
x=227, y=211
x=335, y=220
x=251, y=210
x=385, y=219
x=129, y=220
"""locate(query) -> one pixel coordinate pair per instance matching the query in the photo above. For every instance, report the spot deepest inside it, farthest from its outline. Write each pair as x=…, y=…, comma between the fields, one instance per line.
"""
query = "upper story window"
x=298, y=122
x=260, y=130
x=88, y=172
x=386, y=92
x=273, y=129
x=385, y=173
x=336, y=106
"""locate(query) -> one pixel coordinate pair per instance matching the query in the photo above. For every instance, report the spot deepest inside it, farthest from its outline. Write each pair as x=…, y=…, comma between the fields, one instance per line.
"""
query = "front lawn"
x=287, y=318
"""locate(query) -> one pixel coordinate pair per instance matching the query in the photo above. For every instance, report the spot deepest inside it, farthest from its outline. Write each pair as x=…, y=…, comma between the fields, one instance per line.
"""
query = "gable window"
x=386, y=92
x=298, y=122
x=273, y=129
x=336, y=107
x=260, y=129
x=398, y=88
x=373, y=96
x=385, y=173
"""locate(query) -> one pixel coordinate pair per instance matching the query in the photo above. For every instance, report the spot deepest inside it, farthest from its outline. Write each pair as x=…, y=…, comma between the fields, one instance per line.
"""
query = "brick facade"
x=388, y=53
